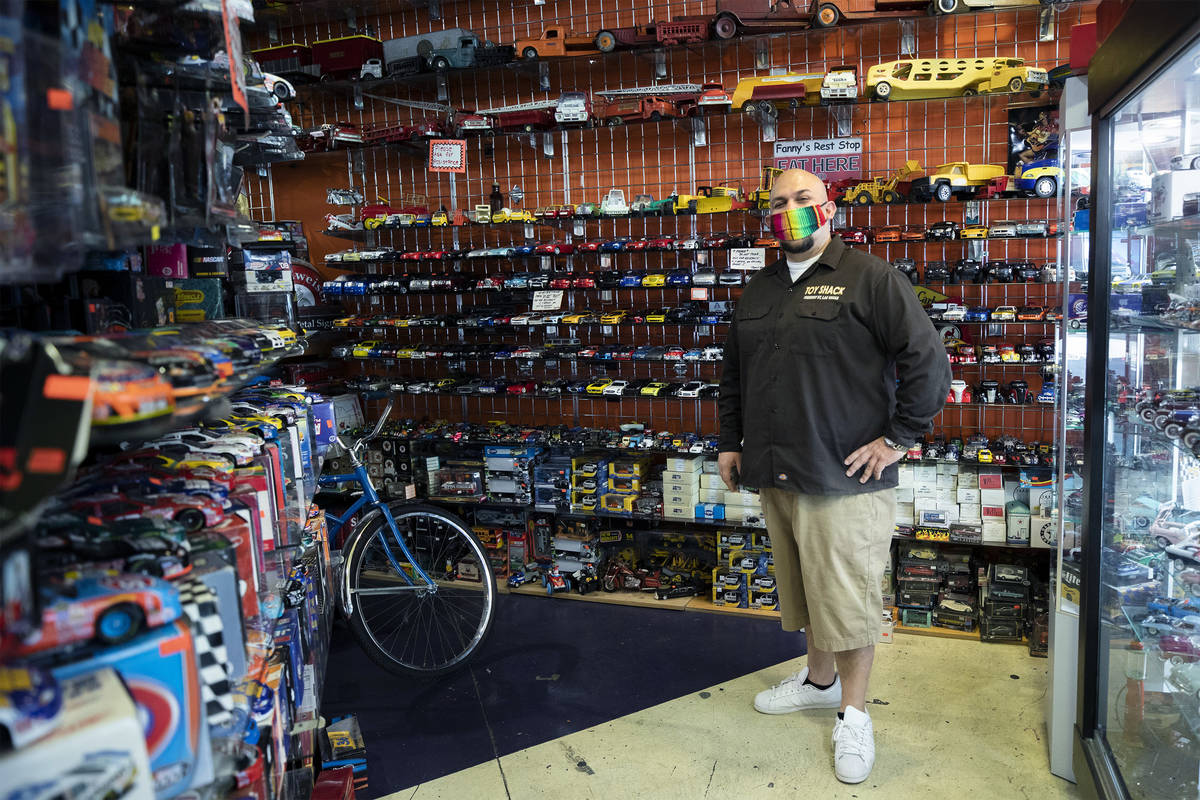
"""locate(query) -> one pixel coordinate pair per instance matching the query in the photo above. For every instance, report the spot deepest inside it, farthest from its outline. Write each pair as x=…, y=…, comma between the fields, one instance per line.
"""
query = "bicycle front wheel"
x=404, y=624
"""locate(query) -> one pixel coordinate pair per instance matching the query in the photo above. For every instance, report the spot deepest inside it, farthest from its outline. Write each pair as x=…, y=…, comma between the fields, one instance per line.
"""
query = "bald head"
x=796, y=188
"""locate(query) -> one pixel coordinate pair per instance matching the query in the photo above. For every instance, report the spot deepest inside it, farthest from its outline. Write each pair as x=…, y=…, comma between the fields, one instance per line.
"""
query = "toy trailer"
x=831, y=12
x=344, y=57
x=529, y=120
x=291, y=61
x=686, y=31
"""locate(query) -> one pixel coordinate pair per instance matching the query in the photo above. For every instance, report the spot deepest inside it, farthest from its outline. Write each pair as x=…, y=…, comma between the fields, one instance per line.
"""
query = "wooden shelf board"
x=637, y=599
x=706, y=605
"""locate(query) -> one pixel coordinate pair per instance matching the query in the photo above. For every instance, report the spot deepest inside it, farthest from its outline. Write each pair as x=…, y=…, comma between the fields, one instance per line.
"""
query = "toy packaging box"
x=159, y=667
x=99, y=738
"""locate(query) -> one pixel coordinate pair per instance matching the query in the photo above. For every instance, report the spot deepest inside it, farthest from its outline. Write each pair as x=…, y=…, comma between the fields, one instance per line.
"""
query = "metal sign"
x=828, y=159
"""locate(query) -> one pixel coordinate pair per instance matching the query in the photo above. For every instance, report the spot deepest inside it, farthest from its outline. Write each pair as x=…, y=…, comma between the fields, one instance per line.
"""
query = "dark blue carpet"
x=549, y=667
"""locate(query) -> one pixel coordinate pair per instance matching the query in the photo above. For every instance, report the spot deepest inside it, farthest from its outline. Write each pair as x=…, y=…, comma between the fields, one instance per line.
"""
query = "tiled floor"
x=953, y=719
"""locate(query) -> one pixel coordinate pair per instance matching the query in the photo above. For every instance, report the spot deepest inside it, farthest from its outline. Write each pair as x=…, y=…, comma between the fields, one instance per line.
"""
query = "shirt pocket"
x=754, y=321
x=813, y=327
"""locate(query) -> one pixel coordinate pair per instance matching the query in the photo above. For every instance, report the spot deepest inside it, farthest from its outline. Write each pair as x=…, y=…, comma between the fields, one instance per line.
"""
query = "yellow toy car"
x=405, y=353
x=984, y=456
x=973, y=232
x=598, y=386
x=576, y=318
x=502, y=215
x=657, y=316
x=524, y=215
x=654, y=280
x=363, y=349
x=440, y=219
x=926, y=78
x=614, y=317
x=654, y=389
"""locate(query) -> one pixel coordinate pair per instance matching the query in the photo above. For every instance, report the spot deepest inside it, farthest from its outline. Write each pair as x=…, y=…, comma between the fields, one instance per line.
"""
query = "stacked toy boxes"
x=918, y=580
x=626, y=477
x=495, y=543
x=957, y=607
x=1005, y=599
x=576, y=544
x=552, y=484
x=745, y=573
x=455, y=480
x=681, y=487
x=957, y=503
x=508, y=473
x=588, y=474
x=399, y=468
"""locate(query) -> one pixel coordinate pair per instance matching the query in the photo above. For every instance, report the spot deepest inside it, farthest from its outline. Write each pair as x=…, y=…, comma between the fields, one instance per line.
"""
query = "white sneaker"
x=853, y=746
x=793, y=694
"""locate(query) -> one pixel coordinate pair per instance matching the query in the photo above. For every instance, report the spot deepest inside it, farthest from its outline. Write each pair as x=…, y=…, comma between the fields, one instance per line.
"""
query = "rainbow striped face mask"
x=795, y=224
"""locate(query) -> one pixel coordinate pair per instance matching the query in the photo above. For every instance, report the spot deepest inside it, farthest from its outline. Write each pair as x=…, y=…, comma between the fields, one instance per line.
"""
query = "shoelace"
x=852, y=738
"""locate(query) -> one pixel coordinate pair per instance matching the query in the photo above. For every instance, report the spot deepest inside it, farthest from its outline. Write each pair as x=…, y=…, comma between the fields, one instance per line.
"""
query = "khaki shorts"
x=830, y=552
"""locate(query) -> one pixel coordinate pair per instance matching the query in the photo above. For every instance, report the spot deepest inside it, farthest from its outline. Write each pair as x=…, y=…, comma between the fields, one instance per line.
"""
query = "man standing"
x=832, y=370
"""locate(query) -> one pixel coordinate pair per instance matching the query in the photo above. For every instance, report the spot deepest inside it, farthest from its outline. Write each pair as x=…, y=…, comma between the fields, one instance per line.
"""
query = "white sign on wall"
x=747, y=258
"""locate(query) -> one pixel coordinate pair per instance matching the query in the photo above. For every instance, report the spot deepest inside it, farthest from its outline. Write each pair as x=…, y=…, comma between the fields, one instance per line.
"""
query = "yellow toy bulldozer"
x=761, y=197
x=882, y=190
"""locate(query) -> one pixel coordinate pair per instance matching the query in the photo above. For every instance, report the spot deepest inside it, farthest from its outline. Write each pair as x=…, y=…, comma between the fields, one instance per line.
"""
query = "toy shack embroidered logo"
x=824, y=292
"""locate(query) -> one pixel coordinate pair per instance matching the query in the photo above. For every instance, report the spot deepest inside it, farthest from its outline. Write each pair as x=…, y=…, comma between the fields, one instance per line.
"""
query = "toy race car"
x=108, y=609
x=30, y=704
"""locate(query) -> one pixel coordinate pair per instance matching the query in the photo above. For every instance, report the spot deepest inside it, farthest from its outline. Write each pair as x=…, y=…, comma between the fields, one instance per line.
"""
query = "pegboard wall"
x=654, y=158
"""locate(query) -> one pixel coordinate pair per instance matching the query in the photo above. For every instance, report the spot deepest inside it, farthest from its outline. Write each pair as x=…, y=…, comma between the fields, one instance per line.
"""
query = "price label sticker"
x=579, y=228
x=702, y=257
x=552, y=330
x=747, y=258
x=699, y=293
x=607, y=330
x=606, y=295
x=528, y=230
x=606, y=260
x=547, y=300
x=547, y=263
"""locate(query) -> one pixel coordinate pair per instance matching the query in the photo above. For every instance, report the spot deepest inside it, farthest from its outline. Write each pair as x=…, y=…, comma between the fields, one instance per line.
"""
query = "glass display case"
x=1139, y=565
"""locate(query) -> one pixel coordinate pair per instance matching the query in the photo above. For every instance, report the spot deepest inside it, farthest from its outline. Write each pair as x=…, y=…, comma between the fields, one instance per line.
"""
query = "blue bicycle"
x=418, y=588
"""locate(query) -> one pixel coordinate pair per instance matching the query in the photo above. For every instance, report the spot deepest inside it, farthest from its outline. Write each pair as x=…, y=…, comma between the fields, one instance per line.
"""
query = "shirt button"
x=783, y=476
x=777, y=345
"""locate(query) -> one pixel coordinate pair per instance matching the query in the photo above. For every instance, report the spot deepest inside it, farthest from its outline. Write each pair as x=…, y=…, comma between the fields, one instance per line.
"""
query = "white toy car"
x=281, y=88
x=613, y=204
x=372, y=68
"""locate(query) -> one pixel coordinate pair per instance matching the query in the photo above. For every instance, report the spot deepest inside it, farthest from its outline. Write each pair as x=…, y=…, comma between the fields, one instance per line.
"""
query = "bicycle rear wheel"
x=404, y=626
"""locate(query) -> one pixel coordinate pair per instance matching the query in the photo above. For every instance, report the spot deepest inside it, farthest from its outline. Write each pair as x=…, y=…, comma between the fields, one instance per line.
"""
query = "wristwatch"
x=899, y=448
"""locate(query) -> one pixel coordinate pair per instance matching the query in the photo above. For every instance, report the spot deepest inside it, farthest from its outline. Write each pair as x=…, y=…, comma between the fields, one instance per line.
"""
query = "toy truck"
x=957, y=179
x=882, y=190
x=515, y=120
x=342, y=58
x=735, y=17
x=713, y=199
x=555, y=41
x=840, y=85
x=766, y=93
x=761, y=197
x=687, y=31
x=831, y=12
x=625, y=109
x=291, y=61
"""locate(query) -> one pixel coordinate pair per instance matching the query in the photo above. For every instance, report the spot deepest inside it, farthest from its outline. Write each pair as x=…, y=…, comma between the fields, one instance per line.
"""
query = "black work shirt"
x=816, y=369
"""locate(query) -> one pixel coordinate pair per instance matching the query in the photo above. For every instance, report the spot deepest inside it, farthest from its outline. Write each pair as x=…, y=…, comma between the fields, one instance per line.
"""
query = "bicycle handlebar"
x=387, y=412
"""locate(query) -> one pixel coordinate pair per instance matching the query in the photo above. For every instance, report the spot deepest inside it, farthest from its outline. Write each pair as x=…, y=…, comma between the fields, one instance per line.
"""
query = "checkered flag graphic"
x=216, y=689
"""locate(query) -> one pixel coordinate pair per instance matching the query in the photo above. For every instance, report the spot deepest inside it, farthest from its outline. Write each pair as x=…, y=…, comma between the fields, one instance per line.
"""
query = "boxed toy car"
x=630, y=468
x=685, y=464
x=680, y=512
x=584, y=502
x=728, y=579
x=708, y=481
x=764, y=599
x=623, y=485
x=618, y=503
x=763, y=583
x=911, y=599
x=159, y=667
x=456, y=481
x=916, y=617
x=955, y=620
x=98, y=748
x=731, y=598
x=995, y=629
x=713, y=511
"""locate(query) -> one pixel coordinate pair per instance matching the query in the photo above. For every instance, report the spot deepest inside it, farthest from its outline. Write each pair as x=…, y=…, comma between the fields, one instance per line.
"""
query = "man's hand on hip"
x=873, y=456
x=730, y=464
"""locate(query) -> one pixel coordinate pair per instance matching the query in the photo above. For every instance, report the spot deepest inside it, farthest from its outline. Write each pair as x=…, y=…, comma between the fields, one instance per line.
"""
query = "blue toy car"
x=679, y=277
x=524, y=249
x=978, y=314
x=615, y=245
x=631, y=280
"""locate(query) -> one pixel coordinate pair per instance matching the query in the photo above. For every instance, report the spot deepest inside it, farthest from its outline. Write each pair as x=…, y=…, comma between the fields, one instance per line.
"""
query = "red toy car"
x=560, y=283
x=588, y=247
x=662, y=243
x=583, y=283
x=1178, y=648
x=555, y=248
x=522, y=387
x=637, y=244
x=192, y=511
x=856, y=235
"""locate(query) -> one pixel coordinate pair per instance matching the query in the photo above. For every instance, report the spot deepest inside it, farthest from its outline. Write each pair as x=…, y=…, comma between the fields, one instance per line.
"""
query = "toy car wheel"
x=610, y=584
x=1194, y=589
x=529, y=53
x=971, y=92
x=613, y=122
x=1173, y=430
x=1162, y=542
x=1045, y=187
x=890, y=197
x=441, y=63
x=1016, y=85
x=655, y=116
x=943, y=193
x=862, y=199
x=606, y=42
x=119, y=624
x=883, y=90
x=945, y=6
x=1191, y=439
x=725, y=27
x=190, y=518
x=827, y=16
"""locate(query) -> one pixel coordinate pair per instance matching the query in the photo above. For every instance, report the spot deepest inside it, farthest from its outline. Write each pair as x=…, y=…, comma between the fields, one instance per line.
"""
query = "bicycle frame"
x=370, y=499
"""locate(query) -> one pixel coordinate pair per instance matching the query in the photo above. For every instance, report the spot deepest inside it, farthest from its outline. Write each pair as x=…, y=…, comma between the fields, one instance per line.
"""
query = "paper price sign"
x=448, y=155
x=547, y=300
x=747, y=258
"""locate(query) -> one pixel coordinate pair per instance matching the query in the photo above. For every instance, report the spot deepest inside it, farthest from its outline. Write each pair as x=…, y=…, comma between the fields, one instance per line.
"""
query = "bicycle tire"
x=415, y=632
